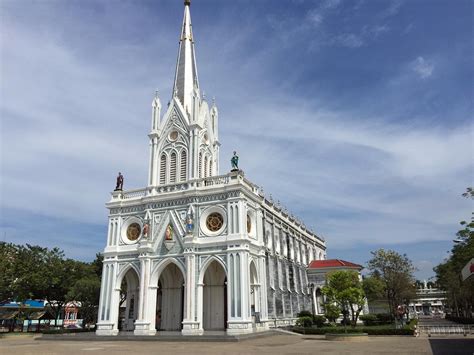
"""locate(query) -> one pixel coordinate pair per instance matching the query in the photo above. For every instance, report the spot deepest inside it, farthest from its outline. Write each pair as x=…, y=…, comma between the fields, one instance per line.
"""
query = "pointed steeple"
x=186, y=77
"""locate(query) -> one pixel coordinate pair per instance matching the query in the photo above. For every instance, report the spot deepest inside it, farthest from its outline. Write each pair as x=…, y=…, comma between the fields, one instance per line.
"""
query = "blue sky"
x=356, y=115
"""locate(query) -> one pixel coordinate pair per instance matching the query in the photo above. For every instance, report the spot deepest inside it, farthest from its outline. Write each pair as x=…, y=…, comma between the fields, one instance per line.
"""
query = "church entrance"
x=214, y=314
x=169, y=299
x=128, y=306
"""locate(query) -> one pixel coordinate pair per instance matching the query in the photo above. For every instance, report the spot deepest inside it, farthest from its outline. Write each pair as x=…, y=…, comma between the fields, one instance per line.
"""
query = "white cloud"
x=350, y=40
x=422, y=67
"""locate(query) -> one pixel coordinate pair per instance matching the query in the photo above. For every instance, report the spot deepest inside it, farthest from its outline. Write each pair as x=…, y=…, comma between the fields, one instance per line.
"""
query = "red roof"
x=321, y=264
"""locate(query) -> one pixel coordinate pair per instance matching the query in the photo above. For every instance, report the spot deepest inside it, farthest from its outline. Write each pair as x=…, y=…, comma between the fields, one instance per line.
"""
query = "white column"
x=191, y=326
x=107, y=324
x=143, y=324
x=242, y=323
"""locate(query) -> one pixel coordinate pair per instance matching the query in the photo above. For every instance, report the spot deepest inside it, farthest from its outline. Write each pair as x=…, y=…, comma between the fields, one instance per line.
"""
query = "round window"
x=214, y=221
x=133, y=231
x=173, y=136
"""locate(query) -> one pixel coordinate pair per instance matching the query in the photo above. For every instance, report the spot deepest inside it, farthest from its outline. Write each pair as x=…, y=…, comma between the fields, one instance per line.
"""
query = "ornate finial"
x=156, y=93
x=187, y=2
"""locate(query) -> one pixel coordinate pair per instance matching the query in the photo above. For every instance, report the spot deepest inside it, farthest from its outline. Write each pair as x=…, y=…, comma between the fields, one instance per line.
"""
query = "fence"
x=446, y=329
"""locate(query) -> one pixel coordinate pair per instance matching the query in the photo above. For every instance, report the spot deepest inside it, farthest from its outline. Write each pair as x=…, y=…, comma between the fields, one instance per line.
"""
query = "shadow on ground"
x=452, y=346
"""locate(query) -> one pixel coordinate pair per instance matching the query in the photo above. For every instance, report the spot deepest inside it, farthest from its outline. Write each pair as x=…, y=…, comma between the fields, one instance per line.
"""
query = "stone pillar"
x=144, y=325
x=108, y=304
x=191, y=326
x=240, y=323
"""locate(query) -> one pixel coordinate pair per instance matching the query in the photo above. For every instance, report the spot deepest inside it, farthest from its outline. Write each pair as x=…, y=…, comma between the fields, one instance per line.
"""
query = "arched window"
x=200, y=164
x=205, y=166
x=173, y=168
x=163, y=169
x=210, y=167
x=184, y=163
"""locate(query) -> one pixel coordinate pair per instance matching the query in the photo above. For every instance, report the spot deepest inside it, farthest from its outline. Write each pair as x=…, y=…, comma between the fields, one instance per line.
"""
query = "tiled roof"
x=321, y=264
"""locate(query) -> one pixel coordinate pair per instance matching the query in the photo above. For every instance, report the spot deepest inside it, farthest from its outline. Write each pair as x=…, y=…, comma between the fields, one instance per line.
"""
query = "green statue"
x=235, y=162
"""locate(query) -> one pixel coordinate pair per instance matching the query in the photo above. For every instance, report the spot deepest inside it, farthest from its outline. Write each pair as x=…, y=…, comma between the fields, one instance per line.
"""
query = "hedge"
x=368, y=330
x=66, y=331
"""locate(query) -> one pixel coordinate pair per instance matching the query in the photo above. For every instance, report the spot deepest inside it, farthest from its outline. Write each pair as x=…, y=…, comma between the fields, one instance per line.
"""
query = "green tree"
x=8, y=255
x=395, y=271
x=373, y=287
x=332, y=311
x=86, y=292
x=460, y=294
x=344, y=289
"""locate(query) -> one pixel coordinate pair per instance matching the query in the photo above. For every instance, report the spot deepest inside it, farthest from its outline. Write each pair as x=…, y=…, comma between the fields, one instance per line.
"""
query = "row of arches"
x=205, y=165
x=169, y=307
x=173, y=167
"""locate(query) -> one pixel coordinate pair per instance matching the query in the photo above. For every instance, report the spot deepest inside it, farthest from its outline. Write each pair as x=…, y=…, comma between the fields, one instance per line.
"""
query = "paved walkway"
x=277, y=344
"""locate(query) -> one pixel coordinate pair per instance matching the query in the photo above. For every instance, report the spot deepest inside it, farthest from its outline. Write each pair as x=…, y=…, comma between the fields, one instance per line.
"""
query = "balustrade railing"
x=181, y=186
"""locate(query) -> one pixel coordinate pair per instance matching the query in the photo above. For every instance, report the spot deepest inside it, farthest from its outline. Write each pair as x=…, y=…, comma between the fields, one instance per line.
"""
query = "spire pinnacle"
x=186, y=78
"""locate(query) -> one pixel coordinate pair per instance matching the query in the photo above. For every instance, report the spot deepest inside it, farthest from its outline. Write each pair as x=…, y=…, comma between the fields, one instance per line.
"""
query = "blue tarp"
x=27, y=303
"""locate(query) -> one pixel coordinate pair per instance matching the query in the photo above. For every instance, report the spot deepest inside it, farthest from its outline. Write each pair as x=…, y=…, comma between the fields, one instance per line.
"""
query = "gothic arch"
x=183, y=164
x=158, y=269
x=123, y=271
x=208, y=262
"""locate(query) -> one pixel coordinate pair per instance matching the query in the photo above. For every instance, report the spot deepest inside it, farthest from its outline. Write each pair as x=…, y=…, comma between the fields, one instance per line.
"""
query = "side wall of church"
x=288, y=254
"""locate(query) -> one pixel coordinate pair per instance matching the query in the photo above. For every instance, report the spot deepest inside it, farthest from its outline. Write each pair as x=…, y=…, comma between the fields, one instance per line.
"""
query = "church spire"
x=186, y=78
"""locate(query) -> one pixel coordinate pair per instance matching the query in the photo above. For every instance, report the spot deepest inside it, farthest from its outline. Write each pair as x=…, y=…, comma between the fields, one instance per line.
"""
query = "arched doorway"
x=128, y=305
x=254, y=296
x=319, y=301
x=214, y=300
x=169, y=299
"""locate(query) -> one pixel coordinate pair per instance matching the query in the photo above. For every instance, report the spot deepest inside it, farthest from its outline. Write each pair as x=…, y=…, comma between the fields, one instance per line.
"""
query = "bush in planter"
x=319, y=321
x=384, y=318
x=369, y=319
x=305, y=322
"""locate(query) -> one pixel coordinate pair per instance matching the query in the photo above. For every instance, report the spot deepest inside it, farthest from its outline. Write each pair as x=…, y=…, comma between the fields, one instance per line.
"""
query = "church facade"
x=195, y=250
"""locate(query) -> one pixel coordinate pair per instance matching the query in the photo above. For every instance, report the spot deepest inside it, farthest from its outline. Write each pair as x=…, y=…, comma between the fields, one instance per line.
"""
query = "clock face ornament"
x=133, y=231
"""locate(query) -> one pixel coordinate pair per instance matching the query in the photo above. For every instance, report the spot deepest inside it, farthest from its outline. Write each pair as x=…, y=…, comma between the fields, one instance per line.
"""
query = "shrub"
x=370, y=331
x=384, y=318
x=305, y=322
x=319, y=321
x=368, y=319
x=304, y=314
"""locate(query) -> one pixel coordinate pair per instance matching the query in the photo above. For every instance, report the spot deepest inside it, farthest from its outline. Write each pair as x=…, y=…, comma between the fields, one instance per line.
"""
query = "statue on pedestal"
x=190, y=220
x=119, y=185
x=234, y=161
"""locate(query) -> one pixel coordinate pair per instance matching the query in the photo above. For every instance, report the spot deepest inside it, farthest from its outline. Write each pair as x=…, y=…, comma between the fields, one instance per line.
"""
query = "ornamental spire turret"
x=186, y=77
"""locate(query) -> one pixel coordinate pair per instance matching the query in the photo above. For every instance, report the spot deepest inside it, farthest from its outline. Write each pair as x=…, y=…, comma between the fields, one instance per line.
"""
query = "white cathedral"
x=196, y=250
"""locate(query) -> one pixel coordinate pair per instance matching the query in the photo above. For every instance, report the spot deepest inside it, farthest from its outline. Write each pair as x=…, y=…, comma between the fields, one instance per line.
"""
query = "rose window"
x=214, y=222
x=133, y=231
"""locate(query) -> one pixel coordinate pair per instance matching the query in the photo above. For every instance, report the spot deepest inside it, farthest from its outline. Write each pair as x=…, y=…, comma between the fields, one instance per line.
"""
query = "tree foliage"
x=344, y=289
x=460, y=294
x=34, y=272
x=394, y=274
